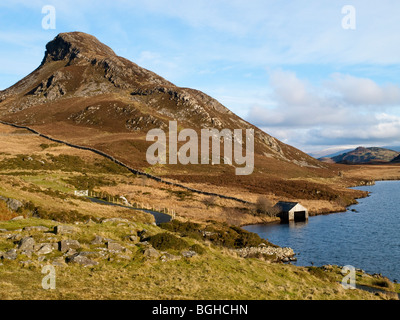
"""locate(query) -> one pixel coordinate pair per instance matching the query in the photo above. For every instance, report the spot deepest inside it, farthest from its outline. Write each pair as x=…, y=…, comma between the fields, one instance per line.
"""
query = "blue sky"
x=288, y=67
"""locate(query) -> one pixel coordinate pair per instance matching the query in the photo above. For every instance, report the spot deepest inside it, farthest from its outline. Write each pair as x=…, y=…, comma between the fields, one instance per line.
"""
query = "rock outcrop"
x=267, y=253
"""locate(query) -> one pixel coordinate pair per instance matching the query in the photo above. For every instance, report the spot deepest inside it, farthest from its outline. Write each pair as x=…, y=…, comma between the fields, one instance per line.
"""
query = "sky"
x=318, y=75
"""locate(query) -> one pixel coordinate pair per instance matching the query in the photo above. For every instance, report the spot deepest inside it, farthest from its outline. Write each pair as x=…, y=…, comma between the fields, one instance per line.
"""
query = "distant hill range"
x=363, y=155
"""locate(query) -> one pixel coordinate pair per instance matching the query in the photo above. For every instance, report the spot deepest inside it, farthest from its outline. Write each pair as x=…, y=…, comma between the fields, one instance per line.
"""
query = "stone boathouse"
x=291, y=211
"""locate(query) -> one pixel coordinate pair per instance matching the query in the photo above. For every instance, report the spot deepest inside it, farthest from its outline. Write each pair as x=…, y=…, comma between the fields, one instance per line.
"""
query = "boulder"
x=115, y=220
x=98, y=240
x=10, y=254
x=45, y=248
x=15, y=237
x=114, y=246
x=132, y=238
x=169, y=257
x=62, y=229
x=82, y=260
x=17, y=218
x=123, y=257
x=70, y=252
x=68, y=244
x=189, y=254
x=151, y=253
x=36, y=228
x=26, y=244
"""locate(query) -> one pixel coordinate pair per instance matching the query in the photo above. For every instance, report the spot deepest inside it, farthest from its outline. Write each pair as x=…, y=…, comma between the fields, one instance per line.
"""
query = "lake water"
x=368, y=239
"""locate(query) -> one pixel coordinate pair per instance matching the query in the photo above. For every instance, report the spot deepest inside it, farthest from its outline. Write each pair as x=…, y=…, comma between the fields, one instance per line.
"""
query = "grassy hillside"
x=216, y=272
x=121, y=253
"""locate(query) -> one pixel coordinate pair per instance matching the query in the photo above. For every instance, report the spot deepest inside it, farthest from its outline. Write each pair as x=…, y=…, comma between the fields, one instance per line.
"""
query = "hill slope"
x=85, y=94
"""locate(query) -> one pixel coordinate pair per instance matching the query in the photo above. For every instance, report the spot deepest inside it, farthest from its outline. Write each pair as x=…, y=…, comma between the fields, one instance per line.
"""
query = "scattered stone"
x=132, y=238
x=114, y=246
x=189, y=254
x=3, y=230
x=208, y=233
x=70, y=252
x=45, y=249
x=26, y=244
x=27, y=253
x=124, y=257
x=127, y=251
x=36, y=228
x=26, y=263
x=115, y=220
x=278, y=253
x=151, y=253
x=89, y=253
x=102, y=254
x=10, y=254
x=65, y=245
x=169, y=257
x=82, y=260
x=41, y=258
x=15, y=237
x=17, y=218
x=51, y=239
x=98, y=240
x=65, y=229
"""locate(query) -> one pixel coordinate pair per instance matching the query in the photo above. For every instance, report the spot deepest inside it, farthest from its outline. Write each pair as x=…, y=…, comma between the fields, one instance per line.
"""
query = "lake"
x=368, y=239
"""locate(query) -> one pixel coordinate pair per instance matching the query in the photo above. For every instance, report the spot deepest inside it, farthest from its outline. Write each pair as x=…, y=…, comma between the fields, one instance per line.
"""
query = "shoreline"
x=371, y=183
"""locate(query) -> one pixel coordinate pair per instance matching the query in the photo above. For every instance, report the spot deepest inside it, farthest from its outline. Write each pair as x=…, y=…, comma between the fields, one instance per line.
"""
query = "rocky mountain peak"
x=76, y=45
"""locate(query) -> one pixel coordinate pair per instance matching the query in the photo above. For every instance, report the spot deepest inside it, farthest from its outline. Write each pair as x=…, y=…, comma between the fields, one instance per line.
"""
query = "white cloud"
x=344, y=110
x=363, y=91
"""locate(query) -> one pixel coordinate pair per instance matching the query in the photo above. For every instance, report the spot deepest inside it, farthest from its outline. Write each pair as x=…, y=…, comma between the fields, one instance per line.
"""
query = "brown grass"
x=320, y=195
x=5, y=213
